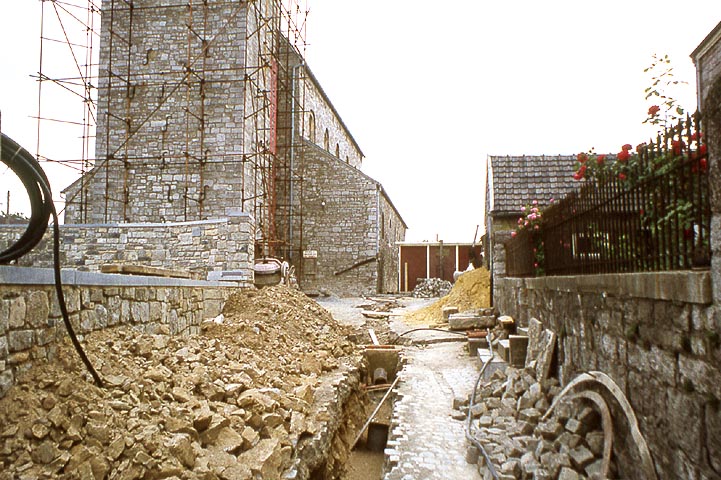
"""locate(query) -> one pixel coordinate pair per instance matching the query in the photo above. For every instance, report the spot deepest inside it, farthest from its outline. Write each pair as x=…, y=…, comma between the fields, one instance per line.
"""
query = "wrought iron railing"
x=654, y=217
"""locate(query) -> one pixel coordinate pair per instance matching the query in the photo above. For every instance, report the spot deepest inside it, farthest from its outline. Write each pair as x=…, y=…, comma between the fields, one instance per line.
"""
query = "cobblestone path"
x=425, y=442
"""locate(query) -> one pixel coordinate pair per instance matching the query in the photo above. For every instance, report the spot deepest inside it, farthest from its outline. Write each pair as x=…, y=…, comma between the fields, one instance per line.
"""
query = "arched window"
x=326, y=140
x=337, y=150
x=311, y=126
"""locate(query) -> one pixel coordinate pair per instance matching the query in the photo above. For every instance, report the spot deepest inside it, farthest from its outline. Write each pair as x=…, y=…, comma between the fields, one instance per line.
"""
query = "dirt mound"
x=472, y=290
x=231, y=402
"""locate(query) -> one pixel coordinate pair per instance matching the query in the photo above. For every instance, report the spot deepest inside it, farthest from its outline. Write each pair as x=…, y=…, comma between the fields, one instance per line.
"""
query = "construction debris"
x=432, y=287
x=520, y=444
x=470, y=320
x=236, y=401
x=470, y=292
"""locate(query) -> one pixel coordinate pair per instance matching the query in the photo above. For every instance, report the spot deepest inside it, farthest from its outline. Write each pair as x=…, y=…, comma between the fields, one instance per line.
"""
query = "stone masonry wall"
x=196, y=247
x=326, y=118
x=340, y=222
x=171, y=119
x=656, y=335
x=712, y=133
x=500, y=233
x=708, y=74
x=31, y=323
x=392, y=230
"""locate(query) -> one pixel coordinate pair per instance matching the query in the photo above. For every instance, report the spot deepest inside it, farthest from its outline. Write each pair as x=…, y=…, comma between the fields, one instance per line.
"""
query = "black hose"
x=36, y=183
x=433, y=329
x=471, y=403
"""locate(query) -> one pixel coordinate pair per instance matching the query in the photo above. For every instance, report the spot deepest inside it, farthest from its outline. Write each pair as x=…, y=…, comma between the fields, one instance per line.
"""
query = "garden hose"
x=28, y=170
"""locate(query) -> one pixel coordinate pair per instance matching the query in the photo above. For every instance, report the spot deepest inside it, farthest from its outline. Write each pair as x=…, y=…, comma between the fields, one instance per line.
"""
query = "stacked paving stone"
x=521, y=445
x=432, y=287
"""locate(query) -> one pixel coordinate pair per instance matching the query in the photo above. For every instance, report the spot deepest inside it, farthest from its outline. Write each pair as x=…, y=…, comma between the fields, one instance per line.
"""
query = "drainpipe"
x=292, y=158
x=379, y=287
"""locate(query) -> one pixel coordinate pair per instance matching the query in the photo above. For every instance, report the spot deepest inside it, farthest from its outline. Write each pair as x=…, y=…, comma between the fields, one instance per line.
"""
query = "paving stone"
x=430, y=445
x=581, y=457
x=595, y=469
x=568, y=474
x=549, y=429
x=594, y=440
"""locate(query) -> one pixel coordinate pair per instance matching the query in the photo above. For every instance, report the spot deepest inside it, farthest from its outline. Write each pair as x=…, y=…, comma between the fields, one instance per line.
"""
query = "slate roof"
x=514, y=181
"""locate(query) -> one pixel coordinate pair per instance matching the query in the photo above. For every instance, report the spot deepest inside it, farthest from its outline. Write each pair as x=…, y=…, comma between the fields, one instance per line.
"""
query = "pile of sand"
x=472, y=290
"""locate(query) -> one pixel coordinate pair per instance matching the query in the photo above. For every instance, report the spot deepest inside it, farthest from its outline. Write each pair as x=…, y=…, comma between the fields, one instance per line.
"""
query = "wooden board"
x=130, y=269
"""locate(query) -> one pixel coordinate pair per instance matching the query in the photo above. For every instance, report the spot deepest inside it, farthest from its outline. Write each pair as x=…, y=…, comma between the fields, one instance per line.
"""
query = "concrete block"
x=449, y=311
x=518, y=346
x=467, y=321
x=474, y=344
x=503, y=348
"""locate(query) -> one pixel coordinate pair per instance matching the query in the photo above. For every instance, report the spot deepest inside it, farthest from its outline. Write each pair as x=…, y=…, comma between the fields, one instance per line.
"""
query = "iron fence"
x=520, y=258
x=651, y=213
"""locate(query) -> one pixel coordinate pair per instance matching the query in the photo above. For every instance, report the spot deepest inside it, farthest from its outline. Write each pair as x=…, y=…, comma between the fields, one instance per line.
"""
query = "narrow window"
x=311, y=126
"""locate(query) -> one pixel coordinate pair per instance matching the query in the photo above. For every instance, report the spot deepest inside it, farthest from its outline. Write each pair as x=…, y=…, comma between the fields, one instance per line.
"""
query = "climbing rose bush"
x=530, y=221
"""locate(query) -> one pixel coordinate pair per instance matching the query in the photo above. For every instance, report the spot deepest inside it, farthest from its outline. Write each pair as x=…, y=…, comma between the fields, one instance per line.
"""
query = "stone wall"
x=392, y=231
x=656, y=335
x=500, y=233
x=712, y=132
x=341, y=210
x=172, y=128
x=326, y=118
x=31, y=323
x=707, y=58
x=196, y=247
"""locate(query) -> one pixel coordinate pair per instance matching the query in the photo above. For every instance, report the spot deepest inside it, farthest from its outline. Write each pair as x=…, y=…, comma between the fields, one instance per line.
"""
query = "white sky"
x=429, y=89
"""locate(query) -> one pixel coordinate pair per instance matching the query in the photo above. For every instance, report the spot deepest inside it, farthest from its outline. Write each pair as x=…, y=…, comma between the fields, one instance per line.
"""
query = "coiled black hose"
x=28, y=170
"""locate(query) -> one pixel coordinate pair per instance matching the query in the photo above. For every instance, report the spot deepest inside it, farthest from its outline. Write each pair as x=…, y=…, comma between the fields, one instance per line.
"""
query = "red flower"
x=623, y=156
x=696, y=136
x=702, y=150
x=653, y=110
x=677, y=146
x=580, y=173
x=581, y=157
x=626, y=147
x=513, y=234
x=600, y=159
x=622, y=176
x=703, y=164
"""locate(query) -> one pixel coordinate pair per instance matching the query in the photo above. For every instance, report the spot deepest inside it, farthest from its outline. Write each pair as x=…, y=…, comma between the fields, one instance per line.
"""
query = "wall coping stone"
x=12, y=275
x=686, y=286
x=136, y=225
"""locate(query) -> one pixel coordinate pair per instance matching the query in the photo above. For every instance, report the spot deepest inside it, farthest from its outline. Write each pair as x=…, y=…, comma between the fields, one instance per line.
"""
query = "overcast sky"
x=429, y=89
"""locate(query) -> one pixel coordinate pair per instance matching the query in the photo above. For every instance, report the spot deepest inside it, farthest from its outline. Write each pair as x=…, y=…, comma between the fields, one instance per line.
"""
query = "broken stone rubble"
x=236, y=401
x=432, y=287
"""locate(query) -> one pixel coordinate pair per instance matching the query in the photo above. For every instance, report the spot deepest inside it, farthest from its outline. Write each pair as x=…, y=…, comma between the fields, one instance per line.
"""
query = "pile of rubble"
x=432, y=287
x=237, y=401
x=472, y=291
x=508, y=422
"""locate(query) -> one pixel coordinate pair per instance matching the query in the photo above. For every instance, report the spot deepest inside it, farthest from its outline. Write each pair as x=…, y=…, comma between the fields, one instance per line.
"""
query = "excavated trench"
x=356, y=451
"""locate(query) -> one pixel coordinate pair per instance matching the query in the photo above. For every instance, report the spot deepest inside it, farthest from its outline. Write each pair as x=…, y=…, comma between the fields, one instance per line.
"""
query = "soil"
x=471, y=291
x=232, y=402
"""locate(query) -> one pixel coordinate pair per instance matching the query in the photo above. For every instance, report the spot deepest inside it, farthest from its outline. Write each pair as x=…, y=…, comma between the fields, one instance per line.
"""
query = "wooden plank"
x=131, y=269
x=374, y=314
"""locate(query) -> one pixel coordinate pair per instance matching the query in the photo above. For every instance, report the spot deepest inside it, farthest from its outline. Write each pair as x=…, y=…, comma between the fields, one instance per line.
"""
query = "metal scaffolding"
x=272, y=85
x=67, y=93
